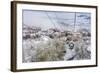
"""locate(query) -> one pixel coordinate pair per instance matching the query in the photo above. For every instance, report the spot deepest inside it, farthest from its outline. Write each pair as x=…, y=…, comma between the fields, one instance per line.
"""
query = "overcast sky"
x=51, y=19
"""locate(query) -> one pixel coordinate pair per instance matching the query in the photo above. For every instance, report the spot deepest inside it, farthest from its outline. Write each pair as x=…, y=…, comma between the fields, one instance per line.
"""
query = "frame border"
x=14, y=35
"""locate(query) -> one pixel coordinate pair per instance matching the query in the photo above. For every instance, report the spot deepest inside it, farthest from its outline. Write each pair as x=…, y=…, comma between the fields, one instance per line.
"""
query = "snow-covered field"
x=55, y=45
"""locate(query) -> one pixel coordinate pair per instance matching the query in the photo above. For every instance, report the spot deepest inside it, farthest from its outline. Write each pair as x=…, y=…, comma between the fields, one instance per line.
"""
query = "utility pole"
x=75, y=22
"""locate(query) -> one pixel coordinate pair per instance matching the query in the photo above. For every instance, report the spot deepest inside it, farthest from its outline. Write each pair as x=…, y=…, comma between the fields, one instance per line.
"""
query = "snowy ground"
x=53, y=45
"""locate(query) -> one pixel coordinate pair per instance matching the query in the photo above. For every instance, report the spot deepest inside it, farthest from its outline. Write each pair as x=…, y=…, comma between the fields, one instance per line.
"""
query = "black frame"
x=14, y=34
